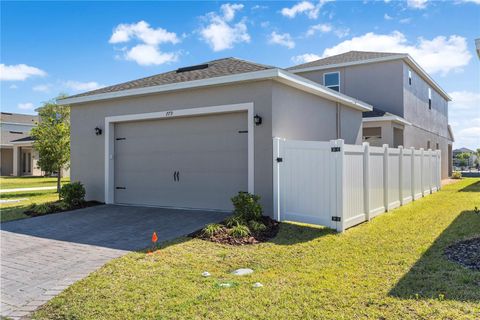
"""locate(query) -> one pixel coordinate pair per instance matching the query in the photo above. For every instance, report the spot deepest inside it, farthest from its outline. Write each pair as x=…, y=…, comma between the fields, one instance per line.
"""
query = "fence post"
x=400, y=172
x=385, y=176
x=412, y=175
x=422, y=155
x=430, y=171
x=276, y=179
x=439, y=169
x=340, y=185
x=366, y=179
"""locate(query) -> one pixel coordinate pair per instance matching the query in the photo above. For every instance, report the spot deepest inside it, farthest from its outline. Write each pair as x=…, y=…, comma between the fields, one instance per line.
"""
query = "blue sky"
x=70, y=47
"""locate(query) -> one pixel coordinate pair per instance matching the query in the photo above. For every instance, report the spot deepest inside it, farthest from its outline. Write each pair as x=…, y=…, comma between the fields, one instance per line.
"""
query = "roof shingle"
x=216, y=68
x=351, y=56
x=18, y=118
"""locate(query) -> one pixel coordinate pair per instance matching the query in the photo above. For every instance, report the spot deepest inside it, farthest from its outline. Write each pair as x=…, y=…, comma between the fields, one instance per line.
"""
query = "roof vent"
x=6, y=113
x=16, y=132
x=192, y=68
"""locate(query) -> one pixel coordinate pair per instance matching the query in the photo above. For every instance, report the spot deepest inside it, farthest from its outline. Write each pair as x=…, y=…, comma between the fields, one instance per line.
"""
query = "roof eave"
x=274, y=74
x=392, y=118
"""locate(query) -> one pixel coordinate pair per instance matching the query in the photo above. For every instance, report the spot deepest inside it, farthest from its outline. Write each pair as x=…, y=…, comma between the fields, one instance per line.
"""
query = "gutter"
x=270, y=74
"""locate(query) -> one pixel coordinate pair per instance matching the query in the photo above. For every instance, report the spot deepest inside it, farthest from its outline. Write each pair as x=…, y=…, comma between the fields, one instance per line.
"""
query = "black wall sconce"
x=98, y=131
x=257, y=119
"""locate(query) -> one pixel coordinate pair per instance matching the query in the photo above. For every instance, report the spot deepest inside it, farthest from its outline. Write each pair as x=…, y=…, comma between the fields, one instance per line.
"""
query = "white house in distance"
x=17, y=157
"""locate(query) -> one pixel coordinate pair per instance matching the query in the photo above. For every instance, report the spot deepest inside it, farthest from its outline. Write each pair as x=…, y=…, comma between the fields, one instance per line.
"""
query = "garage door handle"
x=178, y=175
x=174, y=175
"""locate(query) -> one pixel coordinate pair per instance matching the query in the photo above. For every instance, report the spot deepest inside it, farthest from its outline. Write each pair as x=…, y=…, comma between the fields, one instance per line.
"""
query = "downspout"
x=339, y=121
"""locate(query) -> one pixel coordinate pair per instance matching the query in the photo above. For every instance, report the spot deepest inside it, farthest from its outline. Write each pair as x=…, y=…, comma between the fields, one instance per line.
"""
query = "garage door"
x=193, y=162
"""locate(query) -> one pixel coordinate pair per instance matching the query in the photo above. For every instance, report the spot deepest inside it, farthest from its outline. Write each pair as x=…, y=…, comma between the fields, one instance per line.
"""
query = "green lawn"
x=14, y=210
x=390, y=268
x=29, y=182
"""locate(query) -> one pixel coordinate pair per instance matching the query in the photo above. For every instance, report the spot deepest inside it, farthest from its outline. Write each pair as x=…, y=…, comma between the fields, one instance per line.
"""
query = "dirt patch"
x=448, y=181
x=223, y=235
x=466, y=253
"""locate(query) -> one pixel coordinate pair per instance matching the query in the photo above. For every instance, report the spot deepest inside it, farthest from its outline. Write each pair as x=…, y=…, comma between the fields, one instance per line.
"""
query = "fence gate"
x=305, y=175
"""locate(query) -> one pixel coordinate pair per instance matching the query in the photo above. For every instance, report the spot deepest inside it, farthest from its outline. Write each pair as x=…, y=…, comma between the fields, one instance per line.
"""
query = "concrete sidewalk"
x=26, y=189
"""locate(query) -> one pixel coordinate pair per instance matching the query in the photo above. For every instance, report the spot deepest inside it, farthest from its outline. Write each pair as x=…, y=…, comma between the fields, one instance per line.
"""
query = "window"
x=428, y=144
x=437, y=147
x=410, y=77
x=332, y=80
x=430, y=98
x=373, y=136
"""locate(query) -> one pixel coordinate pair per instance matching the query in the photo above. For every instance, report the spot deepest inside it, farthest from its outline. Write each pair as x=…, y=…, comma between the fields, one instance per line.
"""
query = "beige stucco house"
x=17, y=156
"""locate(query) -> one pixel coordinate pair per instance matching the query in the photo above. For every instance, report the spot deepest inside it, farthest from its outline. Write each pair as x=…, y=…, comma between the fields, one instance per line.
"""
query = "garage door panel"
x=209, y=153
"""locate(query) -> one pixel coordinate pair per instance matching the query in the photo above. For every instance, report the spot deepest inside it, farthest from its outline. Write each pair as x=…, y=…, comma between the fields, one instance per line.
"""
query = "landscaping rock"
x=242, y=272
x=206, y=274
x=465, y=253
x=225, y=285
x=257, y=285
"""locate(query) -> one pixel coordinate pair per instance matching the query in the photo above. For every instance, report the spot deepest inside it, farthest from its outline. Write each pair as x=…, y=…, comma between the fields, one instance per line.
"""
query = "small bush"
x=73, y=194
x=31, y=207
x=42, y=208
x=456, y=175
x=256, y=226
x=211, y=229
x=240, y=231
x=62, y=206
x=247, y=207
x=234, y=221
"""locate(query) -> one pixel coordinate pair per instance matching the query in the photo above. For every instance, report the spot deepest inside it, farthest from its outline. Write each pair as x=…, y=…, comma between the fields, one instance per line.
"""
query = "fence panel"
x=340, y=185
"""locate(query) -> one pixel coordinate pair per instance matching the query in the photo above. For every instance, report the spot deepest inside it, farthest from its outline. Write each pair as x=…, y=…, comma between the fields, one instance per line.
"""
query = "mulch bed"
x=55, y=209
x=224, y=237
x=466, y=253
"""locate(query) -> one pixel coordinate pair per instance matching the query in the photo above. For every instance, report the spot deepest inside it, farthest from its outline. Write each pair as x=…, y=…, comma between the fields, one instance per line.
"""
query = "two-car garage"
x=196, y=162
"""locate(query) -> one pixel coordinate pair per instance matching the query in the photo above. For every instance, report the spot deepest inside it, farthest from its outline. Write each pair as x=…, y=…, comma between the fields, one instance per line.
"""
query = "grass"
x=29, y=182
x=390, y=268
x=14, y=210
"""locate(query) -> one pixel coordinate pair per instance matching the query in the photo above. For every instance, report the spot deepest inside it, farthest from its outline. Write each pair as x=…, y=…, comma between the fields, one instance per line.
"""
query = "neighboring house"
x=410, y=108
x=195, y=136
x=17, y=156
x=471, y=161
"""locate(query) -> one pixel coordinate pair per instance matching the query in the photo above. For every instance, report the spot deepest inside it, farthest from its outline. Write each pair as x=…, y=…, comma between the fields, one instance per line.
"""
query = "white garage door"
x=193, y=162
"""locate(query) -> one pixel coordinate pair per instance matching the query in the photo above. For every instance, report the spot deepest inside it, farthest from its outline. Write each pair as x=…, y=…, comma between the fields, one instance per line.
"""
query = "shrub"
x=211, y=229
x=73, y=194
x=62, y=206
x=240, y=231
x=234, y=221
x=256, y=226
x=247, y=207
x=456, y=175
x=31, y=207
x=42, y=208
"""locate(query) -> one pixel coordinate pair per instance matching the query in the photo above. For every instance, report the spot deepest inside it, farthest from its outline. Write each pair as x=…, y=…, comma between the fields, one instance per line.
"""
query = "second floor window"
x=332, y=80
x=410, y=77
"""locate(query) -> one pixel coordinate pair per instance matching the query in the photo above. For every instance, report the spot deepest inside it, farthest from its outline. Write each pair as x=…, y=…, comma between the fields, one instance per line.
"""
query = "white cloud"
x=304, y=7
x=303, y=58
x=13, y=86
x=82, y=86
x=342, y=32
x=220, y=33
x=282, y=39
x=26, y=106
x=19, y=72
x=440, y=55
x=259, y=7
x=143, y=32
x=417, y=4
x=464, y=116
x=147, y=55
x=471, y=1
x=405, y=20
x=387, y=17
x=322, y=27
x=42, y=88
x=148, y=52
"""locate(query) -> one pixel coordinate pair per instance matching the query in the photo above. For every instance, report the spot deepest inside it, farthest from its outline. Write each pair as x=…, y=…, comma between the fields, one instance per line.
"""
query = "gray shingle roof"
x=374, y=113
x=8, y=136
x=351, y=56
x=18, y=118
x=26, y=139
x=216, y=68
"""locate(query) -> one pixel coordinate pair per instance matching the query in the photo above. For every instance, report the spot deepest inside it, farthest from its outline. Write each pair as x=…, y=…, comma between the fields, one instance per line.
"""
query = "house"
x=17, y=157
x=195, y=136
x=410, y=108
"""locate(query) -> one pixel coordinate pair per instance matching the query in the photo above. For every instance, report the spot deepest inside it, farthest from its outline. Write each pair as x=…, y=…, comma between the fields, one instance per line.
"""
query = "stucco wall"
x=304, y=116
x=6, y=159
x=87, y=149
x=379, y=84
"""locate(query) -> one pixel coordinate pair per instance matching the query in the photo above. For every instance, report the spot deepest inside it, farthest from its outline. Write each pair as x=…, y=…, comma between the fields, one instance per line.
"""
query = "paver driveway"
x=42, y=256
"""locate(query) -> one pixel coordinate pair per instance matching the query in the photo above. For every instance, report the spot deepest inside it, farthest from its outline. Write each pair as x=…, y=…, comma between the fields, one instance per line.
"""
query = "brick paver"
x=40, y=257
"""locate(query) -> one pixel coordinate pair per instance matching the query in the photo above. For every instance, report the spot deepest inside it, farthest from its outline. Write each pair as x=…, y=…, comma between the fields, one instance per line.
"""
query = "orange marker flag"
x=154, y=237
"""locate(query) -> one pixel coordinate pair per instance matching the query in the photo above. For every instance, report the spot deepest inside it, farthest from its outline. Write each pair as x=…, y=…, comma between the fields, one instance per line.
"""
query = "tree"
x=52, y=138
x=463, y=158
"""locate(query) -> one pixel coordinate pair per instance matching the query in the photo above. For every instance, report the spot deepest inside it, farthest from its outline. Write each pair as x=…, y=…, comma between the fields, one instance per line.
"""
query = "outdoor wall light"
x=98, y=131
x=257, y=119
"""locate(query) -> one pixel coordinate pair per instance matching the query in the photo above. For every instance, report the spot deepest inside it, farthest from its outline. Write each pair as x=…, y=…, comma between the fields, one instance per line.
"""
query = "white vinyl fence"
x=340, y=185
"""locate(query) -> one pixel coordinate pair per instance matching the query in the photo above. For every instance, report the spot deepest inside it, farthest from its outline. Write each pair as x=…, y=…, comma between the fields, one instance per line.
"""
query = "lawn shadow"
x=433, y=276
x=293, y=233
x=474, y=187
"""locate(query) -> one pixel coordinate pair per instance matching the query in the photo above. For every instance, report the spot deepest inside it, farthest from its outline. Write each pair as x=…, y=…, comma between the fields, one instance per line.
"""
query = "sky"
x=48, y=48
